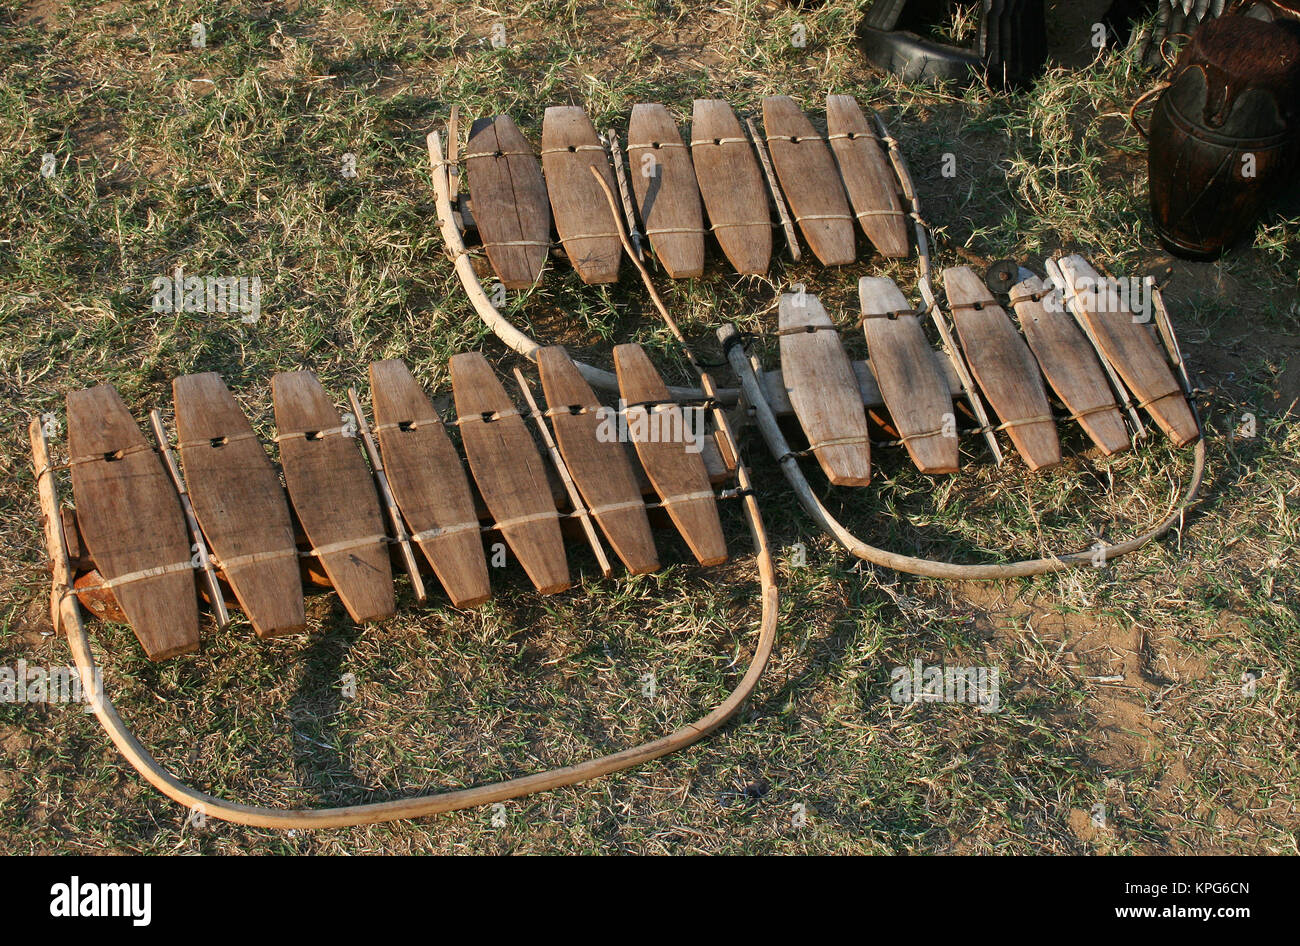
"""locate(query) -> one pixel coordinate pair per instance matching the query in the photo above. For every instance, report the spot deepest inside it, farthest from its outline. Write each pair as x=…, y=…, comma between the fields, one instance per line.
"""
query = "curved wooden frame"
x=768, y=427
x=66, y=613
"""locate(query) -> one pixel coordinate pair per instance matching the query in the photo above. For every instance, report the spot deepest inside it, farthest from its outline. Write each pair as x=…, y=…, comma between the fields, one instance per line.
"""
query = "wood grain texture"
x=824, y=391
x=239, y=503
x=509, y=472
x=334, y=495
x=868, y=178
x=600, y=467
x=131, y=520
x=1070, y=366
x=509, y=199
x=810, y=180
x=1003, y=367
x=778, y=399
x=912, y=385
x=667, y=196
x=429, y=483
x=677, y=474
x=570, y=148
x=1133, y=351
x=731, y=186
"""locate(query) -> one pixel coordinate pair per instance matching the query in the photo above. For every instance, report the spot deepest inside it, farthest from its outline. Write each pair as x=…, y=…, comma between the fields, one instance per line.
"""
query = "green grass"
x=240, y=176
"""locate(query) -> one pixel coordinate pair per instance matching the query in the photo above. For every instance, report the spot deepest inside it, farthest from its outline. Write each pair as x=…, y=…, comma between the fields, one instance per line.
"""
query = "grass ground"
x=1121, y=687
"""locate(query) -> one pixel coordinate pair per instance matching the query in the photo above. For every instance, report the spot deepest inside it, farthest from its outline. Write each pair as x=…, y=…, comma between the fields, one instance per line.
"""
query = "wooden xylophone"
x=1100, y=361
x=335, y=521
x=356, y=498
x=145, y=528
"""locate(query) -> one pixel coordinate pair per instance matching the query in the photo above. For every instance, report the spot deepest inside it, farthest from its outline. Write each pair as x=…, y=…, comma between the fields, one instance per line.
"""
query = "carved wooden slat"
x=600, y=467
x=868, y=178
x=509, y=199
x=731, y=186
x=509, y=472
x=824, y=391
x=429, y=483
x=810, y=180
x=671, y=460
x=1003, y=367
x=912, y=385
x=239, y=503
x=667, y=196
x=334, y=495
x=131, y=520
x=1070, y=365
x=570, y=148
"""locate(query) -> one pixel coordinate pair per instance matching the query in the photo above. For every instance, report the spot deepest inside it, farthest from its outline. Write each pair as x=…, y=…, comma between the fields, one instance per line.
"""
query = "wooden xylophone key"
x=240, y=504
x=429, y=483
x=868, y=179
x=731, y=186
x=823, y=390
x=334, y=495
x=599, y=462
x=509, y=472
x=1069, y=364
x=131, y=520
x=669, y=454
x=570, y=148
x=1003, y=367
x=913, y=386
x=509, y=199
x=667, y=195
x=810, y=180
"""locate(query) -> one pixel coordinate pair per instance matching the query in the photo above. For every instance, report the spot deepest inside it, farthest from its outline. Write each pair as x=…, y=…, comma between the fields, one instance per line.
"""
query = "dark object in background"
x=1002, y=275
x=1277, y=9
x=1176, y=20
x=1224, y=134
x=1010, y=41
